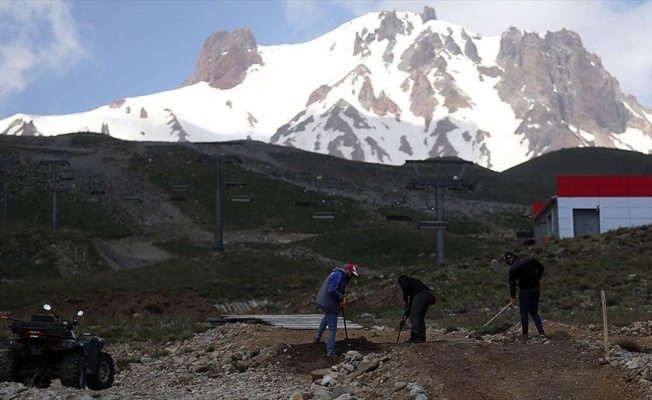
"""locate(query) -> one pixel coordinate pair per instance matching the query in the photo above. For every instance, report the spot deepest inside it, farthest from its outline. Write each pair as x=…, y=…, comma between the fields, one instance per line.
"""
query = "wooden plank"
x=288, y=321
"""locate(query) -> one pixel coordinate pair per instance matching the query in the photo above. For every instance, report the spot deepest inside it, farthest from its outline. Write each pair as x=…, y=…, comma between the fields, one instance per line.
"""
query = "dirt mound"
x=455, y=368
x=307, y=357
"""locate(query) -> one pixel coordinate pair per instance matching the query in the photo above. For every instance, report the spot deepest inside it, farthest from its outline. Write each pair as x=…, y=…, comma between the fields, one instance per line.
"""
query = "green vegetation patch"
x=30, y=251
x=272, y=204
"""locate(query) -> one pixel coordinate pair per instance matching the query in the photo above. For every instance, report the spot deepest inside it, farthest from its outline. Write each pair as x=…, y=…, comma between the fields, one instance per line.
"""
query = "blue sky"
x=59, y=57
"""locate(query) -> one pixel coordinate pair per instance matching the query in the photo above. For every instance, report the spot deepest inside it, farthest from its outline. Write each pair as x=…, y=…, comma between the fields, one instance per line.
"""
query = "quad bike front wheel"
x=105, y=373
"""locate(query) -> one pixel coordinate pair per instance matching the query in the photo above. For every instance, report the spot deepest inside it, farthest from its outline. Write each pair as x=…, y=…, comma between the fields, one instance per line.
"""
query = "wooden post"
x=604, y=320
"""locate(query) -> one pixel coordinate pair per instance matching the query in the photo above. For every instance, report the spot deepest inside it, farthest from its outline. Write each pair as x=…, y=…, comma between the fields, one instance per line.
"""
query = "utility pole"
x=5, y=163
x=440, y=184
x=218, y=241
x=53, y=166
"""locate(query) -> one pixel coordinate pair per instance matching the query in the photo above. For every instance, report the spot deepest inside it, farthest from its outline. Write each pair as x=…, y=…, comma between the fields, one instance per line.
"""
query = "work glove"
x=342, y=303
x=401, y=324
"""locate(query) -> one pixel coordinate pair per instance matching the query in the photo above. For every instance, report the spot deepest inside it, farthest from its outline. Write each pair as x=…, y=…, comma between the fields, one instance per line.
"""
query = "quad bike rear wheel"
x=38, y=380
x=8, y=366
x=72, y=370
x=105, y=373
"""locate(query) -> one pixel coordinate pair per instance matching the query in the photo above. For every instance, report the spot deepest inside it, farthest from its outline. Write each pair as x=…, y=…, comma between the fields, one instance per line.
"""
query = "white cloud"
x=617, y=31
x=36, y=38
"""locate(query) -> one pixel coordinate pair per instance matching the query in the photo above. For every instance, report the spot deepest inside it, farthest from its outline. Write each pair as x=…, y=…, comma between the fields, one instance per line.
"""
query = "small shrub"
x=494, y=329
x=629, y=345
x=124, y=364
x=504, y=327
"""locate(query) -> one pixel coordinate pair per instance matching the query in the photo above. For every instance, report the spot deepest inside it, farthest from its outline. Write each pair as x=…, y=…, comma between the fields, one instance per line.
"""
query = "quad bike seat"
x=43, y=318
x=46, y=323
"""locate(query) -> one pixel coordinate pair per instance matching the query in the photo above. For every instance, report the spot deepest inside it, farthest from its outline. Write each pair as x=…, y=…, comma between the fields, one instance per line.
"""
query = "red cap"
x=352, y=268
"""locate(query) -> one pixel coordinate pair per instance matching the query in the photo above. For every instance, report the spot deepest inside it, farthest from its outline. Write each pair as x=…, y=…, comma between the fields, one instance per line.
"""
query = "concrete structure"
x=589, y=205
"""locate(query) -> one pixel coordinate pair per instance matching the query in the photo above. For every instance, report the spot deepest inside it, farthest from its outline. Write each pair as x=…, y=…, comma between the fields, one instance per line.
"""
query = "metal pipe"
x=439, y=195
x=55, y=225
x=5, y=186
x=219, y=244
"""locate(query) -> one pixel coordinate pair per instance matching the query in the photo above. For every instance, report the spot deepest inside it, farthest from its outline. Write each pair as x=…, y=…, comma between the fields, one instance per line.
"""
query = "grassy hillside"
x=276, y=251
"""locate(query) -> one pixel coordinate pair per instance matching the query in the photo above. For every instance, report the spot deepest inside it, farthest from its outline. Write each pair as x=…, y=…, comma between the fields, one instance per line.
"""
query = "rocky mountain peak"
x=552, y=81
x=21, y=127
x=428, y=14
x=390, y=26
x=225, y=58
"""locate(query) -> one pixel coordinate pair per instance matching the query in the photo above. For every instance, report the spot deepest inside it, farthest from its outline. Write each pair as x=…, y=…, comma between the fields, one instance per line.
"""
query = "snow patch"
x=586, y=137
x=633, y=139
x=636, y=114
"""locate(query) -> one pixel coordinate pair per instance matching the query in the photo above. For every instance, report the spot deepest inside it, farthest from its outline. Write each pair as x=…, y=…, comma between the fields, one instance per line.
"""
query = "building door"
x=586, y=222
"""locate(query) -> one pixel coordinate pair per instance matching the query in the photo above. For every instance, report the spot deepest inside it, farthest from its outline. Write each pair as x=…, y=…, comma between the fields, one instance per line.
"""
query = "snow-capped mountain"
x=385, y=88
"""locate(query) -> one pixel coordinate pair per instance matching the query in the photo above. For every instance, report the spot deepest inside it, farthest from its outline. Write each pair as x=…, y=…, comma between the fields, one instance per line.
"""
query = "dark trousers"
x=529, y=306
x=418, y=314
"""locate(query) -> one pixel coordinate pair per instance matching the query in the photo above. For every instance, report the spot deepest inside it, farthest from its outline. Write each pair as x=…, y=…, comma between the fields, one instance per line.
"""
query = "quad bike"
x=46, y=348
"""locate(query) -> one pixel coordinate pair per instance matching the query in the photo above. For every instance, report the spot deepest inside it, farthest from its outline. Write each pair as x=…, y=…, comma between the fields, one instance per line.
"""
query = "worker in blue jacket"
x=331, y=299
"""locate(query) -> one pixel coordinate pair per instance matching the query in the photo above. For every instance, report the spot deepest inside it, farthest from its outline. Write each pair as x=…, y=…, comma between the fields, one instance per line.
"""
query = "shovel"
x=400, y=328
x=402, y=323
x=346, y=333
x=496, y=316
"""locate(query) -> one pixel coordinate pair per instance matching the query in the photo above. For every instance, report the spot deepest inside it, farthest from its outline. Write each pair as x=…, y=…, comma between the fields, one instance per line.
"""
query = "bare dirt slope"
x=452, y=368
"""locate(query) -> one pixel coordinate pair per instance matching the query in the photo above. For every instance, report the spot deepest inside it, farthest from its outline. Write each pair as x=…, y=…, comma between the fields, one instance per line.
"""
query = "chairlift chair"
x=324, y=214
x=321, y=214
x=304, y=203
x=132, y=197
x=178, y=188
x=178, y=192
x=397, y=216
x=240, y=198
x=431, y=207
x=237, y=197
x=433, y=225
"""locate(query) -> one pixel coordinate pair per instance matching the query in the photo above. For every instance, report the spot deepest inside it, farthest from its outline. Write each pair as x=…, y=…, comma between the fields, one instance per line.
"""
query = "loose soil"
x=478, y=370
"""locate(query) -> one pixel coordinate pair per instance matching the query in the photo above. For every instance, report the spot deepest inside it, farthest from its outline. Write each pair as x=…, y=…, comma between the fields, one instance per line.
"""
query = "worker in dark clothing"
x=526, y=273
x=417, y=298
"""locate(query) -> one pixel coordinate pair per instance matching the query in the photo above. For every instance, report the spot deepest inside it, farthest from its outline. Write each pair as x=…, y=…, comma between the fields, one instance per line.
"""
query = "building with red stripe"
x=589, y=205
